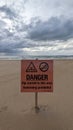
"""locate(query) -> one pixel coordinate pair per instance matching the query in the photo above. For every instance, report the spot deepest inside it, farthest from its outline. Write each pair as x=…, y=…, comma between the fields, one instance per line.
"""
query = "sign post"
x=36, y=76
x=36, y=102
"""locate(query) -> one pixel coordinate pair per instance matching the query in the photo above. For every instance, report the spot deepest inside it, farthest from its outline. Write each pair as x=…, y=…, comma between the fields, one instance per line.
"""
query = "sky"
x=36, y=27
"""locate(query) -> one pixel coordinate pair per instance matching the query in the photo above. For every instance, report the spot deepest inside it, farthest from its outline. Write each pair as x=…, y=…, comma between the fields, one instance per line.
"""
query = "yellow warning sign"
x=36, y=76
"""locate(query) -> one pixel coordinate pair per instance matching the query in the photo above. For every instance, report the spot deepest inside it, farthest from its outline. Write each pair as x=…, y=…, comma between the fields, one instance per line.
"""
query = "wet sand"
x=17, y=109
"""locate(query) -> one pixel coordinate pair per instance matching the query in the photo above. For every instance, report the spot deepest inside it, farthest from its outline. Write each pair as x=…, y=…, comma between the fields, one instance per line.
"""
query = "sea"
x=50, y=57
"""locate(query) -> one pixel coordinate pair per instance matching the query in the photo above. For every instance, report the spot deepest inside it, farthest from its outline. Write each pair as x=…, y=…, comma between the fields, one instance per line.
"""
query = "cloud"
x=51, y=30
x=2, y=24
x=41, y=37
x=33, y=27
x=8, y=11
x=11, y=48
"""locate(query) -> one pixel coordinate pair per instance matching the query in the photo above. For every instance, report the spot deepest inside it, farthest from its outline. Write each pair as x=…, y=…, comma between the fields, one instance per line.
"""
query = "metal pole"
x=36, y=102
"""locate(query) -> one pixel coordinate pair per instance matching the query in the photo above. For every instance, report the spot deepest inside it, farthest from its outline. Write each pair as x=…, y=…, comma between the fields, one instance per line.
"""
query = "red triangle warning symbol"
x=31, y=68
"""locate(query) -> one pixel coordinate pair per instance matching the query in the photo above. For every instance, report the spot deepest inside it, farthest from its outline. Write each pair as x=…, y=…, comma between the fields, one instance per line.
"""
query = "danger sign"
x=36, y=75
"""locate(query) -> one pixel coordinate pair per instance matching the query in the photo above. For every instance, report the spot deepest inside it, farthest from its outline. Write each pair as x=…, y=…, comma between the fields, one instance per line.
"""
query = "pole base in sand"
x=37, y=109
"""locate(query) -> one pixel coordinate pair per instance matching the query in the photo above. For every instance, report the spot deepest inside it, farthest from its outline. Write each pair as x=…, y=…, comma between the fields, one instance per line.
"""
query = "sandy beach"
x=17, y=109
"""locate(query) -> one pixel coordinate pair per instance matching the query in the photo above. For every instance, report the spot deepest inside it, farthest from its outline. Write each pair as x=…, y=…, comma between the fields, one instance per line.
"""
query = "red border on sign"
x=36, y=75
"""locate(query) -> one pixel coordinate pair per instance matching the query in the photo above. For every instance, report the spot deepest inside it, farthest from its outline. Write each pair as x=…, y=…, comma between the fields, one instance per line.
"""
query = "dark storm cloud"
x=14, y=46
x=8, y=11
x=5, y=34
x=51, y=30
x=11, y=47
